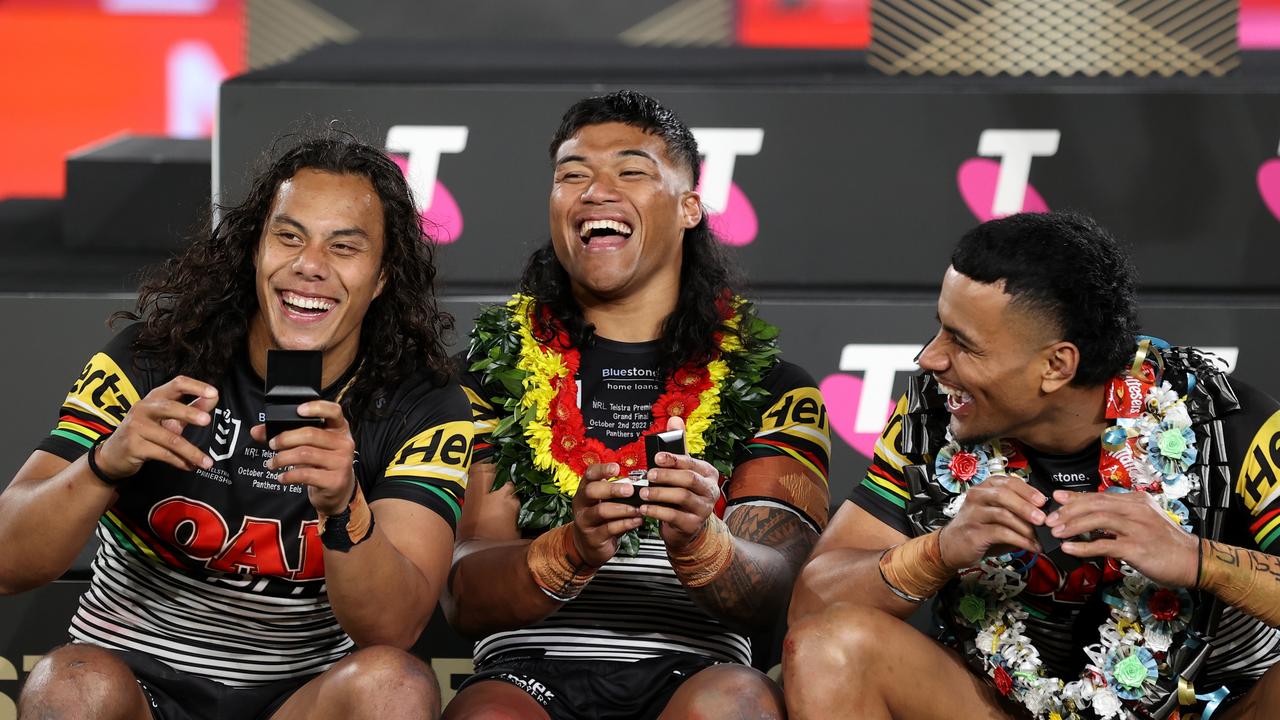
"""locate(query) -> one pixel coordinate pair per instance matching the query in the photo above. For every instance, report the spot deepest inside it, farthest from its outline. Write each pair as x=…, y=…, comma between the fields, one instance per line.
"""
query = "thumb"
x=675, y=423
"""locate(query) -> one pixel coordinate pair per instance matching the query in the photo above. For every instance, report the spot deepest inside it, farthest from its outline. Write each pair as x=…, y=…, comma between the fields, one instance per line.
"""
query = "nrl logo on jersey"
x=226, y=431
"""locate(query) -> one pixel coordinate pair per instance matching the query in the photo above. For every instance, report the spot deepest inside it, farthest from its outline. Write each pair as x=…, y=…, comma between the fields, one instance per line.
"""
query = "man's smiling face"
x=619, y=208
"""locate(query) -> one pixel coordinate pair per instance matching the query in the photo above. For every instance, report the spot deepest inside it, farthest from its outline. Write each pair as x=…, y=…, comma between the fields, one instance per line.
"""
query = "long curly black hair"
x=196, y=307
x=707, y=277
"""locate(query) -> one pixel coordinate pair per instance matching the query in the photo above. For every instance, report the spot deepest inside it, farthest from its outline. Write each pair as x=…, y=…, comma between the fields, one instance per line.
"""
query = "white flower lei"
x=1132, y=639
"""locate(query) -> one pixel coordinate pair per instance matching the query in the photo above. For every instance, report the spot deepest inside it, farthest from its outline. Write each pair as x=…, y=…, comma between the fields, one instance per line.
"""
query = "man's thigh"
x=874, y=665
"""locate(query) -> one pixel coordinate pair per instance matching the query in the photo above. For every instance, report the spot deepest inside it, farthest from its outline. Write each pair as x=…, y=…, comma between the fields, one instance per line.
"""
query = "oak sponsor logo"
x=103, y=390
x=257, y=548
x=1259, y=478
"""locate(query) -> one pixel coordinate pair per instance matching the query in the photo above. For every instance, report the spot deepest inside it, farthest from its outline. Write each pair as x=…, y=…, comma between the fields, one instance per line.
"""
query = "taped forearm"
x=707, y=557
x=1246, y=579
x=914, y=570
x=556, y=566
x=350, y=527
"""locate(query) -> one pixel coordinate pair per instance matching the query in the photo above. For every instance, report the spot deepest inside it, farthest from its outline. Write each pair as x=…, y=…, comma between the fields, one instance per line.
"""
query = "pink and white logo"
x=859, y=406
x=417, y=150
x=994, y=189
x=1269, y=185
x=732, y=217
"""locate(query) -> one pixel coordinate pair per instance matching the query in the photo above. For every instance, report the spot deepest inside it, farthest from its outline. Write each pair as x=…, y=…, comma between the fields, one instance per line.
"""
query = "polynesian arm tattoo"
x=770, y=545
x=1246, y=579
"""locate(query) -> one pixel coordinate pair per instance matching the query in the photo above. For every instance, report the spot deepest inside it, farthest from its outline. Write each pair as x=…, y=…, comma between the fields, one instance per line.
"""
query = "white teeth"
x=619, y=227
x=306, y=303
x=955, y=396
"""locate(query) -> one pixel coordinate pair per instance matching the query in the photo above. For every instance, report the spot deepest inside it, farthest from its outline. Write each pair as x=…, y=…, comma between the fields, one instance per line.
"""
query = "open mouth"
x=306, y=306
x=603, y=232
x=957, y=399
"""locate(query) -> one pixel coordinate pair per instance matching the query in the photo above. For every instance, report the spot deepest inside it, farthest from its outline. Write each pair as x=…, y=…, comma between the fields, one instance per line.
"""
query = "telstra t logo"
x=417, y=150
x=732, y=217
x=995, y=189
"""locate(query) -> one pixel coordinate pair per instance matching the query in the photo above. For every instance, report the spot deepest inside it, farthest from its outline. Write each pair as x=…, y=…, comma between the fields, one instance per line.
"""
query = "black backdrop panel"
x=850, y=188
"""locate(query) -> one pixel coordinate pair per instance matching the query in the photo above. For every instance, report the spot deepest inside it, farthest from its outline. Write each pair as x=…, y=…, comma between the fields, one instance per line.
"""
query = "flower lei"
x=540, y=441
x=1148, y=449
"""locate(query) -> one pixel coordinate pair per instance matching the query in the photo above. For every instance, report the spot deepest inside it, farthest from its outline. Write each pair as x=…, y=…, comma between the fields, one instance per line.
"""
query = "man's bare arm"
x=47, y=514
x=844, y=567
x=769, y=545
x=489, y=555
x=1247, y=579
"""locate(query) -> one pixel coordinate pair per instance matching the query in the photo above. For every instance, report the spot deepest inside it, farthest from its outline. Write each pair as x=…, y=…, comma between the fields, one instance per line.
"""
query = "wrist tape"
x=556, y=566
x=914, y=570
x=706, y=557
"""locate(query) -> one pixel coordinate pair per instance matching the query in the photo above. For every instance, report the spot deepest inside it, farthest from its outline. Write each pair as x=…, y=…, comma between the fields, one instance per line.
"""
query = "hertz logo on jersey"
x=441, y=450
x=796, y=425
x=436, y=460
x=103, y=390
x=801, y=407
x=1259, y=477
x=97, y=402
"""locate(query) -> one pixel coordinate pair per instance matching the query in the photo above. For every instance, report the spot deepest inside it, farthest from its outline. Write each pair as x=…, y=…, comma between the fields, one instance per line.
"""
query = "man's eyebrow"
x=287, y=220
x=630, y=152
x=341, y=232
x=637, y=153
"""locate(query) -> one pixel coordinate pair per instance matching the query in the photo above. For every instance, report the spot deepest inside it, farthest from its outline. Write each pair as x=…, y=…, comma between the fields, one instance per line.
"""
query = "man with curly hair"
x=628, y=324
x=238, y=574
x=1095, y=513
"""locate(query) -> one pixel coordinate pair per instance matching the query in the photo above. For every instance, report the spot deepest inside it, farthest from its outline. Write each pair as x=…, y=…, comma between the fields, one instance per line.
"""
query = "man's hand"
x=1143, y=534
x=320, y=458
x=598, y=523
x=687, y=490
x=998, y=514
x=152, y=430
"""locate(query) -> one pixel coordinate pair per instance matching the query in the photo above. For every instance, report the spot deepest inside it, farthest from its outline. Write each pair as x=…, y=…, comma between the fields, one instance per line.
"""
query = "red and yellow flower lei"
x=555, y=430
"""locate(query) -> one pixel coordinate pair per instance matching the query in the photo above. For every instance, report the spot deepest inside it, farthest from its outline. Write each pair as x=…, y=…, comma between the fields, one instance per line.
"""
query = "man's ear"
x=691, y=209
x=1062, y=360
x=382, y=283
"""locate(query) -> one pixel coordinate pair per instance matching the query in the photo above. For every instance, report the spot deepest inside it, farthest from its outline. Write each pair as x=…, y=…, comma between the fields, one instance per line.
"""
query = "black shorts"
x=175, y=695
x=582, y=689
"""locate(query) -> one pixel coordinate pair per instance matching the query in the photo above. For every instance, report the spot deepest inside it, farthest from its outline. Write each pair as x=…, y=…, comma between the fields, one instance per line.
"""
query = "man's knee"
x=374, y=674
x=842, y=639
x=492, y=700
x=728, y=691
x=83, y=677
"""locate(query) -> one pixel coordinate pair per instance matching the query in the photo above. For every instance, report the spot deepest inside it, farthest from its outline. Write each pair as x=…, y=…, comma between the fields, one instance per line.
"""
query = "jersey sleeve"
x=431, y=453
x=483, y=416
x=786, y=463
x=883, y=492
x=1253, y=436
x=98, y=400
